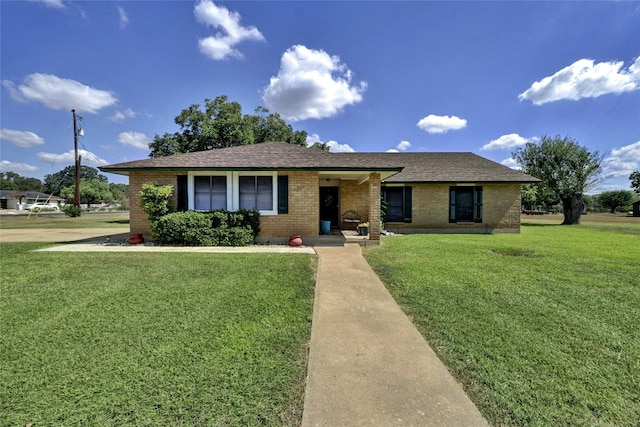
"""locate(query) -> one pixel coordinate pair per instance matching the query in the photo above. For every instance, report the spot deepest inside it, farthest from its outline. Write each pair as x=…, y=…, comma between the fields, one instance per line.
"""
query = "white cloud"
x=221, y=45
x=311, y=84
x=504, y=142
x=402, y=146
x=60, y=94
x=585, y=79
x=120, y=116
x=88, y=158
x=334, y=146
x=7, y=166
x=441, y=124
x=511, y=163
x=124, y=19
x=622, y=161
x=21, y=138
x=55, y=4
x=134, y=139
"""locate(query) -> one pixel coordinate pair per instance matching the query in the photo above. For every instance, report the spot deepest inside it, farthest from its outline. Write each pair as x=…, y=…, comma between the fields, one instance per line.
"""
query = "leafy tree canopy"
x=13, y=181
x=635, y=181
x=221, y=124
x=613, y=199
x=54, y=183
x=91, y=190
x=565, y=168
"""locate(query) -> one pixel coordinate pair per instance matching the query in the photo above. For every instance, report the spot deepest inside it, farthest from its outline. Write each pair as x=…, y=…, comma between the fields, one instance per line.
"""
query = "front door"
x=329, y=205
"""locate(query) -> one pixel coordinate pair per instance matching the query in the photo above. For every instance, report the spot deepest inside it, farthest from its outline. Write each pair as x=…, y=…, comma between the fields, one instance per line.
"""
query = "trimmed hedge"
x=215, y=228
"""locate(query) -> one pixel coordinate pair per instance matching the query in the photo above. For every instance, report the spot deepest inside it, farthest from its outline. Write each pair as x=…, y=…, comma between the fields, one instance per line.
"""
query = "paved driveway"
x=61, y=234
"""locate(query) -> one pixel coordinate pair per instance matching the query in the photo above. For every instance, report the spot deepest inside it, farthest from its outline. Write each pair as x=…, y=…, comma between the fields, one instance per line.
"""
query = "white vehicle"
x=41, y=206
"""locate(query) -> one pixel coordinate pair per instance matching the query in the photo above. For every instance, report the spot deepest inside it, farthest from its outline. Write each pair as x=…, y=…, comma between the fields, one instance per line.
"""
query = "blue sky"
x=483, y=77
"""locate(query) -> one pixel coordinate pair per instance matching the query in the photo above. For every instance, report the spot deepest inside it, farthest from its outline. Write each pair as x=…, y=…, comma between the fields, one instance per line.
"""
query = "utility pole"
x=76, y=198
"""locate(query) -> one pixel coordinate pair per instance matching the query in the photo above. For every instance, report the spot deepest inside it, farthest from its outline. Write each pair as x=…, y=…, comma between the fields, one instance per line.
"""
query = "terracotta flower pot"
x=136, y=239
x=295, y=240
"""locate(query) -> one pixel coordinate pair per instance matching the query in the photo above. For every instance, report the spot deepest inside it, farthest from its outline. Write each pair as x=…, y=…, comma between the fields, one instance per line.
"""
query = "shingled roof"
x=396, y=167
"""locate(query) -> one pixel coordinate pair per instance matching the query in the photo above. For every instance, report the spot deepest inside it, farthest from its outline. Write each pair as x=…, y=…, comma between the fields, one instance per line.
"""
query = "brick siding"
x=304, y=211
x=138, y=219
x=501, y=210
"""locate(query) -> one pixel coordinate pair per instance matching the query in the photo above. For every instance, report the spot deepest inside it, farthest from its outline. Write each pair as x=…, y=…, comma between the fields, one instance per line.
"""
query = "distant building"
x=11, y=199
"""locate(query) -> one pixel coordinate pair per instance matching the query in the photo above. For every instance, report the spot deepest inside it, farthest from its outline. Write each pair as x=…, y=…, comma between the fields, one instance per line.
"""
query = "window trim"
x=477, y=195
x=233, y=188
x=407, y=201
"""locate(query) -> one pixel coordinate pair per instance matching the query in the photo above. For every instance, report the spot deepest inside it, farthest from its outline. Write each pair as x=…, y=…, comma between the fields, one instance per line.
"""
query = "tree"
x=635, y=181
x=565, y=168
x=535, y=195
x=323, y=146
x=54, y=183
x=221, y=125
x=13, y=181
x=92, y=190
x=613, y=199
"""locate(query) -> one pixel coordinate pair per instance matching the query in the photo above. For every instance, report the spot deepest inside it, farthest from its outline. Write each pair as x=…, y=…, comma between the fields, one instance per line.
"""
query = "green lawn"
x=119, y=219
x=541, y=328
x=153, y=339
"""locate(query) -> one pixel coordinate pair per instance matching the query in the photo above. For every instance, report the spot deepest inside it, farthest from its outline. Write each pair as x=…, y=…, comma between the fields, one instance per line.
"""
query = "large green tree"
x=566, y=168
x=54, y=183
x=13, y=181
x=635, y=181
x=221, y=124
x=91, y=190
x=613, y=199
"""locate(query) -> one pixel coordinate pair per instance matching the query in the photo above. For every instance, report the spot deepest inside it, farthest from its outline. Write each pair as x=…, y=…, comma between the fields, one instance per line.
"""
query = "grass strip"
x=541, y=328
x=153, y=339
x=60, y=220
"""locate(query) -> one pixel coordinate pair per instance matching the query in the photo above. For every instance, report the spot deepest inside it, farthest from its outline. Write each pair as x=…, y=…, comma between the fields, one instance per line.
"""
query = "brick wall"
x=354, y=197
x=304, y=211
x=501, y=210
x=138, y=219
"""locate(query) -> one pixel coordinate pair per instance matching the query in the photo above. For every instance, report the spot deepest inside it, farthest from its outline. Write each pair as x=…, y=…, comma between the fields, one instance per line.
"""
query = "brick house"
x=295, y=187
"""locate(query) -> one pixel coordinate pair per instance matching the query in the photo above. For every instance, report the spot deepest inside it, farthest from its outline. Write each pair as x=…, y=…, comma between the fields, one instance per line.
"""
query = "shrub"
x=154, y=200
x=215, y=228
x=72, y=211
x=184, y=229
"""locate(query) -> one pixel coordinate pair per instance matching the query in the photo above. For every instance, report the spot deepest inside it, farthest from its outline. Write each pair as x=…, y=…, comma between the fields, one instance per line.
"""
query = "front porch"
x=339, y=237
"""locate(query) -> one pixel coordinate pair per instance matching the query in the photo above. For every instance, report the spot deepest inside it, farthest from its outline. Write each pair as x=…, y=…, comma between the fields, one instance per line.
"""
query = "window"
x=256, y=192
x=264, y=191
x=210, y=192
x=465, y=204
x=398, y=202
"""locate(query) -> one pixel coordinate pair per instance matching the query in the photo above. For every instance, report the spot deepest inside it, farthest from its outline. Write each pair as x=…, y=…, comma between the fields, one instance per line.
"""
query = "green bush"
x=184, y=229
x=215, y=228
x=154, y=200
x=72, y=211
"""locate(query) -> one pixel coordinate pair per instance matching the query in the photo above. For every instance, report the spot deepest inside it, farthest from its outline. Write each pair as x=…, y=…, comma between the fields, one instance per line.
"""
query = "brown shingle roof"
x=410, y=167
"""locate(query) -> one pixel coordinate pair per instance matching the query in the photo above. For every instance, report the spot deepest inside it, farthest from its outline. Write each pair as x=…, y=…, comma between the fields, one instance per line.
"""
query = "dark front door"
x=329, y=206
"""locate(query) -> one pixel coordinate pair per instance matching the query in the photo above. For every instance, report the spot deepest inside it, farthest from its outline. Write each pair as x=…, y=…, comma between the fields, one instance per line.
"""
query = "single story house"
x=12, y=199
x=296, y=187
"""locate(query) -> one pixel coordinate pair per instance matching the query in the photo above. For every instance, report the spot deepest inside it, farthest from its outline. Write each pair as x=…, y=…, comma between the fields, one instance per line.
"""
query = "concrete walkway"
x=368, y=364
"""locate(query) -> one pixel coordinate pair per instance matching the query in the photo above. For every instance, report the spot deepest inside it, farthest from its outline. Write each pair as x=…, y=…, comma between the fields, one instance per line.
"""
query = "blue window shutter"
x=283, y=194
x=452, y=205
x=183, y=196
x=407, y=204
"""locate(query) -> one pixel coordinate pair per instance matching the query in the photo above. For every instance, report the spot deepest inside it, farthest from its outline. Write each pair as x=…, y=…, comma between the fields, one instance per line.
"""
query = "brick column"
x=374, y=206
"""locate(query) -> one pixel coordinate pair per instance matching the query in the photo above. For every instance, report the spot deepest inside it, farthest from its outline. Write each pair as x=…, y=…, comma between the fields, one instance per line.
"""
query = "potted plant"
x=363, y=228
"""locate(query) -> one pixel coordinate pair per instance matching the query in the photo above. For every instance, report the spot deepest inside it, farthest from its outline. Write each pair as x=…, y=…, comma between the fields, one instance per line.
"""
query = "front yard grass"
x=541, y=328
x=153, y=339
x=119, y=219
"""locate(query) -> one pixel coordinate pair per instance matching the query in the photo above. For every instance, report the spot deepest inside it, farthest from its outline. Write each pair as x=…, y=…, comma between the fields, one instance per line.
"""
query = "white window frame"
x=233, y=188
